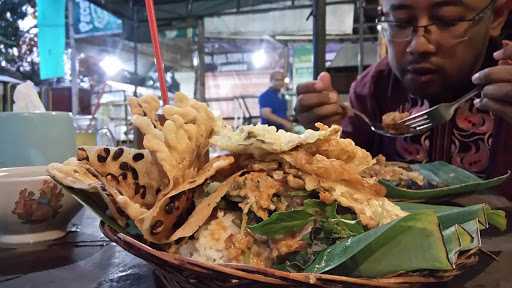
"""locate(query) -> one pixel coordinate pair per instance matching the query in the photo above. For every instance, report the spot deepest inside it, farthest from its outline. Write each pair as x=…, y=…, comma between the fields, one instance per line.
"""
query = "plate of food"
x=428, y=180
x=275, y=209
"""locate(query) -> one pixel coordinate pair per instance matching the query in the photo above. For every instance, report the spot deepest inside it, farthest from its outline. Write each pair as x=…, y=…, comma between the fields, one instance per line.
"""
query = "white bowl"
x=33, y=208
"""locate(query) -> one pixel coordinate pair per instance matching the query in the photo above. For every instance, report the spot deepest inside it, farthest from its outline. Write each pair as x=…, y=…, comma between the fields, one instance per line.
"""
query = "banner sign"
x=51, y=37
x=91, y=20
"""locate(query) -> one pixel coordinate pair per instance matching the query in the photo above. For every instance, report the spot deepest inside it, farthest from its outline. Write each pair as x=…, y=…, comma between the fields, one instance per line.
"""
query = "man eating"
x=438, y=50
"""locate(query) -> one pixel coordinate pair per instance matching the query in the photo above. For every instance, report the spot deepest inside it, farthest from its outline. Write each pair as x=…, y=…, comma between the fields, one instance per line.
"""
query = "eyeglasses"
x=448, y=31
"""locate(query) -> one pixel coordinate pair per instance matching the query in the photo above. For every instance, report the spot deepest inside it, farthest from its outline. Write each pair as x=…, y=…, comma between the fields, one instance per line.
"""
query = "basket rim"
x=272, y=276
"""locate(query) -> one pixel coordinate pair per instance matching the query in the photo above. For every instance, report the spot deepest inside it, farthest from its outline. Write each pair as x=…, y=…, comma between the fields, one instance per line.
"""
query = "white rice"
x=209, y=242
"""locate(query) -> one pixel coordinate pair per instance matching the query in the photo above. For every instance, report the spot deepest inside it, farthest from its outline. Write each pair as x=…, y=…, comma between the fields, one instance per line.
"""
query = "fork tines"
x=418, y=121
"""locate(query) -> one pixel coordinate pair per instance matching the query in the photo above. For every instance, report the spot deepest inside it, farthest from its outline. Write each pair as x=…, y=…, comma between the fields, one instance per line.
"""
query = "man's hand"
x=497, y=83
x=318, y=102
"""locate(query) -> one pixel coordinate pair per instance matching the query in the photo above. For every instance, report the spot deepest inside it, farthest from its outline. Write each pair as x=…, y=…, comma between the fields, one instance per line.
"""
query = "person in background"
x=273, y=105
x=437, y=52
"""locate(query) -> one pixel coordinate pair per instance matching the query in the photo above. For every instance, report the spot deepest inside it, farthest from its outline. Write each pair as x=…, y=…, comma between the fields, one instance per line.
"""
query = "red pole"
x=150, y=9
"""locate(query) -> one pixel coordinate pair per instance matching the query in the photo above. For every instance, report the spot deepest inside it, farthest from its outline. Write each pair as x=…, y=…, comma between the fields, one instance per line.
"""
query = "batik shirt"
x=474, y=140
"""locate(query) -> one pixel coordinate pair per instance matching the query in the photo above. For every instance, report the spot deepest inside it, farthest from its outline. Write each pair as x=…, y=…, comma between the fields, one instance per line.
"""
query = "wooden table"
x=87, y=259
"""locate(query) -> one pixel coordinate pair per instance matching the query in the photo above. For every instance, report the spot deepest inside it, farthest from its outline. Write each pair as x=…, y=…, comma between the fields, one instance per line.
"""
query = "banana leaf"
x=448, y=214
x=460, y=238
x=497, y=218
x=431, y=237
x=450, y=179
x=411, y=243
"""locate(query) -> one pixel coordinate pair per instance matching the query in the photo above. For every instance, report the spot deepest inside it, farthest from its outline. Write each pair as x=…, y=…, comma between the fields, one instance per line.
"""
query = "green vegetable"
x=340, y=228
x=330, y=210
x=282, y=223
x=297, y=261
x=319, y=208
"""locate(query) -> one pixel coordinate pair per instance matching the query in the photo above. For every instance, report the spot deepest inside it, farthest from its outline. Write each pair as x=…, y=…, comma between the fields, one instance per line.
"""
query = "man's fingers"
x=317, y=101
x=308, y=101
x=328, y=110
x=502, y=109
x=309, y=118
x=324, y=82
x=498, y=91
x=495, y=74
x=505, y=53
x=307, y=87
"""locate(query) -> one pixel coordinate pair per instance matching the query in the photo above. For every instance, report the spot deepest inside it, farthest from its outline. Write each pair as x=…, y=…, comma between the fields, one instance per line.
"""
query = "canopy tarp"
x=171, y=10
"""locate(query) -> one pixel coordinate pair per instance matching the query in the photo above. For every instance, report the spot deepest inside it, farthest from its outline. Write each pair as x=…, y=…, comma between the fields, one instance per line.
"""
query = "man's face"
x=278, y=81
x=430, y=64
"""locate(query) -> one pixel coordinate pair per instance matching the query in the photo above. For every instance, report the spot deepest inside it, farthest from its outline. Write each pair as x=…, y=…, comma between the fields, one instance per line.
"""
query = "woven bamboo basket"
x=179, y=272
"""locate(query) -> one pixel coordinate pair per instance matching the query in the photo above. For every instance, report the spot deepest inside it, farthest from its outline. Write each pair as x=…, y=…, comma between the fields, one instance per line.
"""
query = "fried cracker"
x=204, y=209
x=181, y=144
x=171, y=209
x=138, y=176
x=262, y=139
x=80, y=175
x=146, y=106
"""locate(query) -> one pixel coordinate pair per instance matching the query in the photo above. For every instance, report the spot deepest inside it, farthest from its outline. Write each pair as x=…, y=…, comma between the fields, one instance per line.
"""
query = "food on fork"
x=390, y=122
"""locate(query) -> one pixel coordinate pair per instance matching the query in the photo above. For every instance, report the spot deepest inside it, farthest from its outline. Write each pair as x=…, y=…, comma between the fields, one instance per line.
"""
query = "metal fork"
x=378, y=128
x=423, y=121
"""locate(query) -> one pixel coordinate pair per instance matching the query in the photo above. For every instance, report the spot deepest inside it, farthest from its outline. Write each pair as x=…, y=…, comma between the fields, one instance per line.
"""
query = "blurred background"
x=88, y=56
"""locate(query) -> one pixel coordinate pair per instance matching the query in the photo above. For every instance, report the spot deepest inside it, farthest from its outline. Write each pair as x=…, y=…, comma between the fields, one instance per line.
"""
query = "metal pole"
x=360, y=65
x=135, y=47
x=73, y=61
x=200, y=69
x=189, y=6
x=286, y=57
x=319, y=15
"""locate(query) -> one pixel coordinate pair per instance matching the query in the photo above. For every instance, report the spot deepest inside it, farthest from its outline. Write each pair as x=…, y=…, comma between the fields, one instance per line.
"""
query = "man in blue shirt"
x=273, y=106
